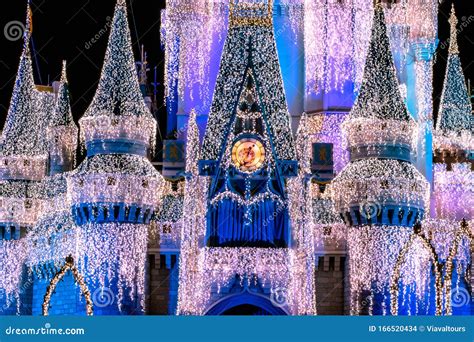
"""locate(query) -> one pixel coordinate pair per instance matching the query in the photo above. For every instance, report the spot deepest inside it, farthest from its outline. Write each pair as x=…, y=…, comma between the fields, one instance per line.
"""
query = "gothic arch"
x=394, y=286
x=69, y=265
x=245, y=298
x=453, y=251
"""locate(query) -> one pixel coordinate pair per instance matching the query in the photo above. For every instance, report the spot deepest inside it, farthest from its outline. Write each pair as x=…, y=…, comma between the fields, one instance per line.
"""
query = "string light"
x=379, y=137
x=192, y=294
x=191, y=31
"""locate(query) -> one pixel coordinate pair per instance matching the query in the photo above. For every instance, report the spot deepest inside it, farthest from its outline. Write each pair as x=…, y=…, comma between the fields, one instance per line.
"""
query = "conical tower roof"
x=22, y=133
x=455, y=112
x=62, y=115
x=118, y=92
x=249, y=47
x=379, y=95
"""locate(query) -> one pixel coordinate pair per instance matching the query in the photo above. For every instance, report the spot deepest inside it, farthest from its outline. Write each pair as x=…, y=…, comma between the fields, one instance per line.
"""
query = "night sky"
x=64, y=29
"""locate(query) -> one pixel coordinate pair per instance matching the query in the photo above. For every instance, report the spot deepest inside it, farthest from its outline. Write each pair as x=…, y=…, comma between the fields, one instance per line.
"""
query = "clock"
x=248, y=154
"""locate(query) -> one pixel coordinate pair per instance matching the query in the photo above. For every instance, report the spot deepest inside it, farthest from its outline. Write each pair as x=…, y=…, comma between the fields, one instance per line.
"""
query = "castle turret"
x=454, y=140
x=23, y=147
x=62, y=131
x=116, y=190
x=23, y=158
x=118, y=119
x=455, y=120
x=380, y=194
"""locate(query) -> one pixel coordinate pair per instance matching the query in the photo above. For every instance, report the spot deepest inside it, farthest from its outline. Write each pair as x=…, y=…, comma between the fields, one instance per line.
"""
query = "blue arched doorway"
x=245, y=303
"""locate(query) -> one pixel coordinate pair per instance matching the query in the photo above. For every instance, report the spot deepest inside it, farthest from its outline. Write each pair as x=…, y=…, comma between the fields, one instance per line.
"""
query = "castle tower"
x=116, y=190
x=53, y=238
x=453, y=174
x=379, y=194
x=23, y=164
x=247, y=152
x=454, y=140
x=62, y=131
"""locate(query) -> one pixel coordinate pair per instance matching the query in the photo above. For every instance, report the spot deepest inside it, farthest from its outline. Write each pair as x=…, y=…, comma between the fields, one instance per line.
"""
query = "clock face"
x=248, y=154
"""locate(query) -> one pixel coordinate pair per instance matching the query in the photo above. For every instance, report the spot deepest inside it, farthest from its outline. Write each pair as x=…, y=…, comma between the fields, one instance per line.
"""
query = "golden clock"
x=248, y=154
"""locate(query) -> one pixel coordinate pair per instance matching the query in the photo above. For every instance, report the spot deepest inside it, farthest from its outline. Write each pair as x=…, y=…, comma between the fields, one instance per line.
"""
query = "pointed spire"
x=453, y=39
x=455, y=106
x=28, y=28
x=21, y=133
x=379, y=95
x=62, y=114
x=118, y=92
x=192, y=144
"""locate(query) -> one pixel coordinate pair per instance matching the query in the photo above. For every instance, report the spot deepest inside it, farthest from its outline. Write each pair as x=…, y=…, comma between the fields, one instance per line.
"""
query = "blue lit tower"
x=379, y=194
x=23, y=164
x=115, y=191
x=248, y=152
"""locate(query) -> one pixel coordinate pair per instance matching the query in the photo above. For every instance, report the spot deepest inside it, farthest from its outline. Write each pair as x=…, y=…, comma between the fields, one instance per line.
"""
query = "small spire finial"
x=63, y=73
x=453, y=39
x=28, y=26
x=122, y=3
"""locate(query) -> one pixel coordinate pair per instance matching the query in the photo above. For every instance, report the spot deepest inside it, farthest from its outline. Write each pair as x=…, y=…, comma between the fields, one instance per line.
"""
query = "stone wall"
x=331, y=283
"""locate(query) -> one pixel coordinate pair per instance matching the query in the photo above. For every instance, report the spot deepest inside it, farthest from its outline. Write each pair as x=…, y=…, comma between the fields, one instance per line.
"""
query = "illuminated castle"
x=304, y=176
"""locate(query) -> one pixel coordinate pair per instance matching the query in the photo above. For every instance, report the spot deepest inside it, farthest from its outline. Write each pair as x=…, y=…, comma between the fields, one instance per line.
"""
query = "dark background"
x=62, y=29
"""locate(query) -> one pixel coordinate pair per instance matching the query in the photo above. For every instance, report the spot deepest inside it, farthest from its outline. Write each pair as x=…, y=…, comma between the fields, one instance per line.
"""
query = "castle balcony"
x=124, y=134
x=17, y=212
x=23, y=167
x=376, y=138
x=380, y=192
x=115, y=188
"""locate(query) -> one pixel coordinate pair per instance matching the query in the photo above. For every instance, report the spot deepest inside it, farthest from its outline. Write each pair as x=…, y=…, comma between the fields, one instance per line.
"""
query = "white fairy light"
x=453, y=191
x=191, y=31
x=118, y=130
x=192, y=293
x=302, y=288
x=13, y=254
